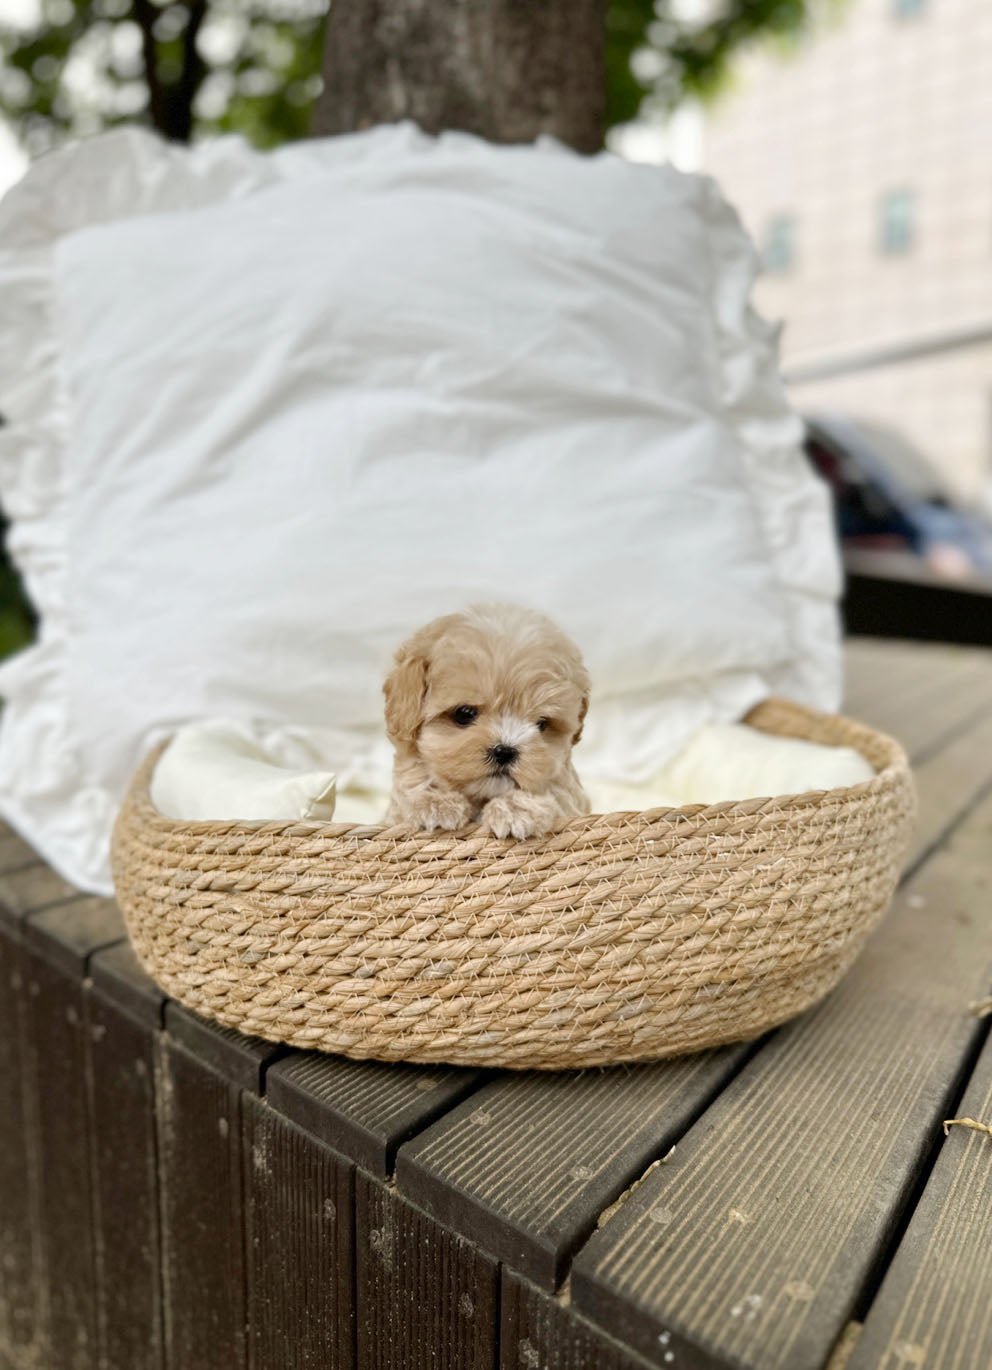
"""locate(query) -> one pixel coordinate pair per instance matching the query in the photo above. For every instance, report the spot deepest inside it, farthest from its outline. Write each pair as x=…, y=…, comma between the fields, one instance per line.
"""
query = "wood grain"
x=117, y=974
x=539, y=1331
x=22, y=1316
x=526, y=1165
x=299, y=1198
x=240, y=1059
x=121, y=1026
x=426, y=1298
x=934, y=1309
x=754, y=1244
x=363, y=1109
x=199, y=1150
x=56, y=1015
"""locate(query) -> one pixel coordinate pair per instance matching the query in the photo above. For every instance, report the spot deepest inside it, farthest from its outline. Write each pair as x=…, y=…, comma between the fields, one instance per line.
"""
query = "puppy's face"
x=490, y=700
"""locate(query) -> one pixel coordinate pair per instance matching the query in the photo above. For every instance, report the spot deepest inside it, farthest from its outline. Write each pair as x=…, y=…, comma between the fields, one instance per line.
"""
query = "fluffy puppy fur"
x=483, y=709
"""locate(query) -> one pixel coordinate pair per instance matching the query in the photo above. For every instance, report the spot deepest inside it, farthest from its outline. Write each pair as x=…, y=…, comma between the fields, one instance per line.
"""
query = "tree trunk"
x=505, y=69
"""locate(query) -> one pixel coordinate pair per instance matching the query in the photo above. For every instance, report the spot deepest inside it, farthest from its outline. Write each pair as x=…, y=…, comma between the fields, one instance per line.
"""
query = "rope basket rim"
x=880, y=743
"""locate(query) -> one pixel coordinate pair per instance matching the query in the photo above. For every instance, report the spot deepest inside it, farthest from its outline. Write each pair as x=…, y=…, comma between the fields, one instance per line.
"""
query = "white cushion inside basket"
x=221, y=770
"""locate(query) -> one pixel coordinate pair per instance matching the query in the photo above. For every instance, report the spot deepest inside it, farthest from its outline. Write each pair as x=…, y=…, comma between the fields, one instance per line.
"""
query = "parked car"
x=888, y=498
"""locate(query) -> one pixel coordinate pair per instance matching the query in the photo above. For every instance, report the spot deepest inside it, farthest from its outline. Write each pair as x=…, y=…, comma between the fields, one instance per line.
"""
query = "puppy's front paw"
x=447, y=810
x=518, y=815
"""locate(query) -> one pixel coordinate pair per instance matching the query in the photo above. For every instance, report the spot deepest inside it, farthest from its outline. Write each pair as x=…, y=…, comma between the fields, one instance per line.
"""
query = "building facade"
x=862, y=164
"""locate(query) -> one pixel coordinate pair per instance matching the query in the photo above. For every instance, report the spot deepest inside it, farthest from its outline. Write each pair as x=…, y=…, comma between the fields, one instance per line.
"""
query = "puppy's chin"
x=490, y=787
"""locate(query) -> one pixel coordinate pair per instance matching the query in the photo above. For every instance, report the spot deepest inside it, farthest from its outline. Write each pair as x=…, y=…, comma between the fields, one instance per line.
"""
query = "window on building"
x=908, y=9
x=778, y=252
x=897, y=229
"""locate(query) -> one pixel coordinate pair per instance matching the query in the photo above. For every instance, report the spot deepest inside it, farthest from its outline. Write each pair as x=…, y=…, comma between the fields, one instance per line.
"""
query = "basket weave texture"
x=623, y=937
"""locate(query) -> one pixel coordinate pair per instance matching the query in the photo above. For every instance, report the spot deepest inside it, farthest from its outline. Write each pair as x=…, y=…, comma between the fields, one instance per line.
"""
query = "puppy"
x=483, y=709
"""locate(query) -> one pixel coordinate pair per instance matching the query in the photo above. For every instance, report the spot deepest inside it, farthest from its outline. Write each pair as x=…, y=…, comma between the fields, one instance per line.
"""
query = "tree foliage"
x=250, y=66
x=253, y=66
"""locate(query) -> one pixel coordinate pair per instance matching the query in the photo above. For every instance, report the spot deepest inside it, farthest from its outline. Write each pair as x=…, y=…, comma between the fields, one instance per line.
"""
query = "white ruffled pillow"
x=269, y=412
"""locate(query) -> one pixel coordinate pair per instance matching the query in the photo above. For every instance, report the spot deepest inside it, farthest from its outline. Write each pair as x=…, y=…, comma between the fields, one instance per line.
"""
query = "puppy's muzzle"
x=502, y=757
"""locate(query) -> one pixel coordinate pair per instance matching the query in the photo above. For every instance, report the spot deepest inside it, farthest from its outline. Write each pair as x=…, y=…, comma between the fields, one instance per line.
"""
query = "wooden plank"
x=949, y=782
x=200, y=1186
x=299, y=1198
x=199, y=1148
x=541, y=1332
x=525, y=1166
x=925, y=709
x=878, y=669
x=117, y=974
x=875, y=669
x=122, y=1019
x=934, y=1308
x=426, y=1298
x=58, y=942
x=363, y=1109
x=15, y=853
x=240, y=1059
x=33, y=887
x=22, y=1315
x=754, y=1244
x=67, y=934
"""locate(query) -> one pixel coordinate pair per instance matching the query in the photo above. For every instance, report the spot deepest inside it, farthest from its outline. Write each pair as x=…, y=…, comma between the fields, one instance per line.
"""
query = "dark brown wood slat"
x=755, y=1242
x=240, y=1059
x=200, y=1186
x=22, y=1319
x=58, y=942
x=363, y=1109
x=539, y=1331
x=64, y=1214
x=525, y=1166
x=935, y=1306
x=117, y=974
x=299, y=1198
x=122, y=1018
x=425, y=1297
x=199, y=1080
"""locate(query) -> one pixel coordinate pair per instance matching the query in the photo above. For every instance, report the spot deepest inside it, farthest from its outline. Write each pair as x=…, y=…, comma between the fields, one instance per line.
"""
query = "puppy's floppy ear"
x=584, y=685
x=406, y=684
x=583, y=710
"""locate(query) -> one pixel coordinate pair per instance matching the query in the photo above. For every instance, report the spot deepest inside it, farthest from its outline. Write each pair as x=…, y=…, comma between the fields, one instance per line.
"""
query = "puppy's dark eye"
x=464, y=715
x=542, y=724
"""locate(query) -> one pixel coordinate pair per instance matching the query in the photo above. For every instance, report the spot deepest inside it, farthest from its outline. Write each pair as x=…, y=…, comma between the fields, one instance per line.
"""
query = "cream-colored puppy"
x=483, y=709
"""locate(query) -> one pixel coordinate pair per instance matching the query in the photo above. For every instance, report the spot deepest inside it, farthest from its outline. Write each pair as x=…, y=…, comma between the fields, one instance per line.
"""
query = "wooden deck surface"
x=174, y=1196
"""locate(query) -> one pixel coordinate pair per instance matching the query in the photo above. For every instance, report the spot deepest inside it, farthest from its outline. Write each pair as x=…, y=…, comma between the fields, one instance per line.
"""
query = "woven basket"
x=623, y=937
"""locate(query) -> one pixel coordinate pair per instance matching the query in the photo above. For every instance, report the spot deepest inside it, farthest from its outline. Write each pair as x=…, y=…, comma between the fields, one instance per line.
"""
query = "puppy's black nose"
x=503, y=756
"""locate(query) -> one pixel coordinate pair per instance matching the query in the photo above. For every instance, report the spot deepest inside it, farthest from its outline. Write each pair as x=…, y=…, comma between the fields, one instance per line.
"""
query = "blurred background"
x=853, y=136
